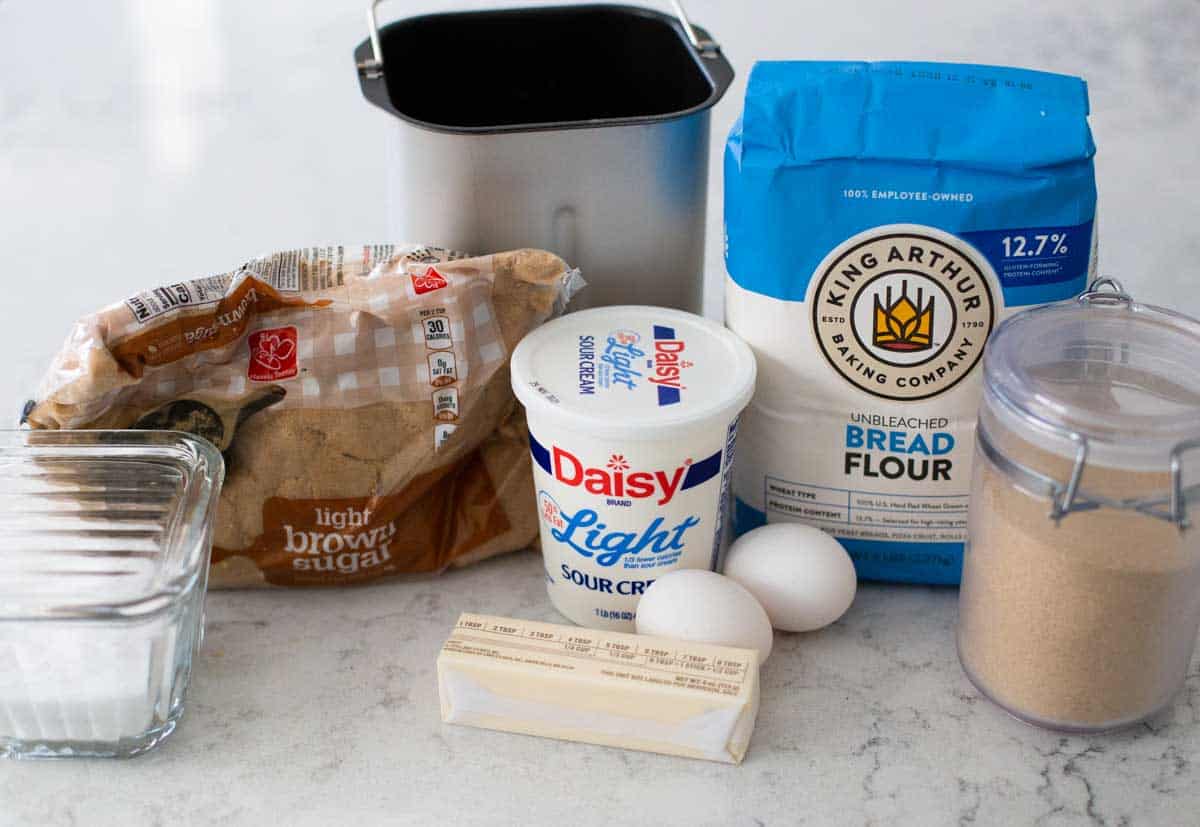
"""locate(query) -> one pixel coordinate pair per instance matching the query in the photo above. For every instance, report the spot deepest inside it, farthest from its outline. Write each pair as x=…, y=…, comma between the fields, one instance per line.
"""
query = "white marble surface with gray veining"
x=321, y=708
x=142, y=142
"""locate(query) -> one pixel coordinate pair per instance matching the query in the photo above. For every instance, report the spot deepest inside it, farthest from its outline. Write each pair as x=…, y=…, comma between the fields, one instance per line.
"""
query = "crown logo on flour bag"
x=903, y=326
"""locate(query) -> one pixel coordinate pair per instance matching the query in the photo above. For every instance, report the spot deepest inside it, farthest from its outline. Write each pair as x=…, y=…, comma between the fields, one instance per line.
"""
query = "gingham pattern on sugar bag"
x=306, y=272
x=379, y=346
x=378, y=340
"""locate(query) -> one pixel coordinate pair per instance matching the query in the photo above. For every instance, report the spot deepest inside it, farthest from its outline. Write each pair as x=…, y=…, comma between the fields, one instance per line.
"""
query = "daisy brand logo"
x=273, y=354
x=617, y=477
x=428, y=281
x=668, y=365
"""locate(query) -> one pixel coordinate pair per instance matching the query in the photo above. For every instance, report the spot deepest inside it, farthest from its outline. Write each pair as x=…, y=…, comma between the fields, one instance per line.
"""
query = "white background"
x=146, y=141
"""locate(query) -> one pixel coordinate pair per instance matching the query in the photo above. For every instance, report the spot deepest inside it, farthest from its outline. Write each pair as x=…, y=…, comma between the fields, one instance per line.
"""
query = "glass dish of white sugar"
x=105, y=540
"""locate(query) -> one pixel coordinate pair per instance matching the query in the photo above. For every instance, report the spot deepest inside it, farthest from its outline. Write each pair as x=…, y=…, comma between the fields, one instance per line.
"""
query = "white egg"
x=801, y=576
x=703, y=606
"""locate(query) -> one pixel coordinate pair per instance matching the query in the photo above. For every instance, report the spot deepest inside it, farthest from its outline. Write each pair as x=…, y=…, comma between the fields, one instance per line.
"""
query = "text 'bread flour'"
x=881, y=219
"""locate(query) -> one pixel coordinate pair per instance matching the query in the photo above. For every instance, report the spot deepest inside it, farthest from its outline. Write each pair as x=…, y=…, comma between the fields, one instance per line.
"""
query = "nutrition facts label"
x=437, y=332
x=869, y=514
x=616, y=654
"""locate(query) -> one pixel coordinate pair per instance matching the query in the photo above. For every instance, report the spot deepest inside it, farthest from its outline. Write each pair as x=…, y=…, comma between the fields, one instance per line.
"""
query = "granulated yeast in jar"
x=1080, y=611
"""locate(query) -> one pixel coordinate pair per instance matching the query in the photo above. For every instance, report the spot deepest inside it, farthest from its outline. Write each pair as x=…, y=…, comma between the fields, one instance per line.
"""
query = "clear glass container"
x=105, y=539
x=1080, y=596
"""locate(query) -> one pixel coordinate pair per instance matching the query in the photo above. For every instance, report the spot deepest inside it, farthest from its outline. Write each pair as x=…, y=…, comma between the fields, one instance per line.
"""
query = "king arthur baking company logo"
x=903, y=314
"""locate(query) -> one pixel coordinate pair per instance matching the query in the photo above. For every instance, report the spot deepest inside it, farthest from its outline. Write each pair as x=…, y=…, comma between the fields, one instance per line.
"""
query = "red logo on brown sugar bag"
x=272, y=354
x=427, y=283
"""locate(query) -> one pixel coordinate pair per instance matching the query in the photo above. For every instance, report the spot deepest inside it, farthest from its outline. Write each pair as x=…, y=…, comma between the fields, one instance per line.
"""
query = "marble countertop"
x=321, y=708
x=145, y=142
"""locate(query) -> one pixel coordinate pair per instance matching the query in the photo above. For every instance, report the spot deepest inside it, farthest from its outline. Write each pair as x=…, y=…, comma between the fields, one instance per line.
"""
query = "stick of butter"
x=599, y=687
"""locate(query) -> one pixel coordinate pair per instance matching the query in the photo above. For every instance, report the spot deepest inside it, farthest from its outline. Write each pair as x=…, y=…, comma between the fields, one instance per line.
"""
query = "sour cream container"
x=632, y=417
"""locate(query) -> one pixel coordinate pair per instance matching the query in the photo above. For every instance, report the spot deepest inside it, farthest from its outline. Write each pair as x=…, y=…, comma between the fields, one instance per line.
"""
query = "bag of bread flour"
x=881, y=218
x=360, y=395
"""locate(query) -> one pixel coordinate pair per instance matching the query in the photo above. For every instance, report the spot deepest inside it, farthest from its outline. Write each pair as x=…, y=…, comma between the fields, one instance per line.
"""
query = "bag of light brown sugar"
x=360, y=396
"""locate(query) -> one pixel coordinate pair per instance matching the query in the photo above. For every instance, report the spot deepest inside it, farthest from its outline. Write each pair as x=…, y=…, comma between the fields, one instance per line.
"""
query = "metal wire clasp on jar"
x=1080, y=597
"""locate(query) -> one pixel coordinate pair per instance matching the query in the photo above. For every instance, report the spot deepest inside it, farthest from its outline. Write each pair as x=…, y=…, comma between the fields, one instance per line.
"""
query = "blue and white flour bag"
x=881, y=219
